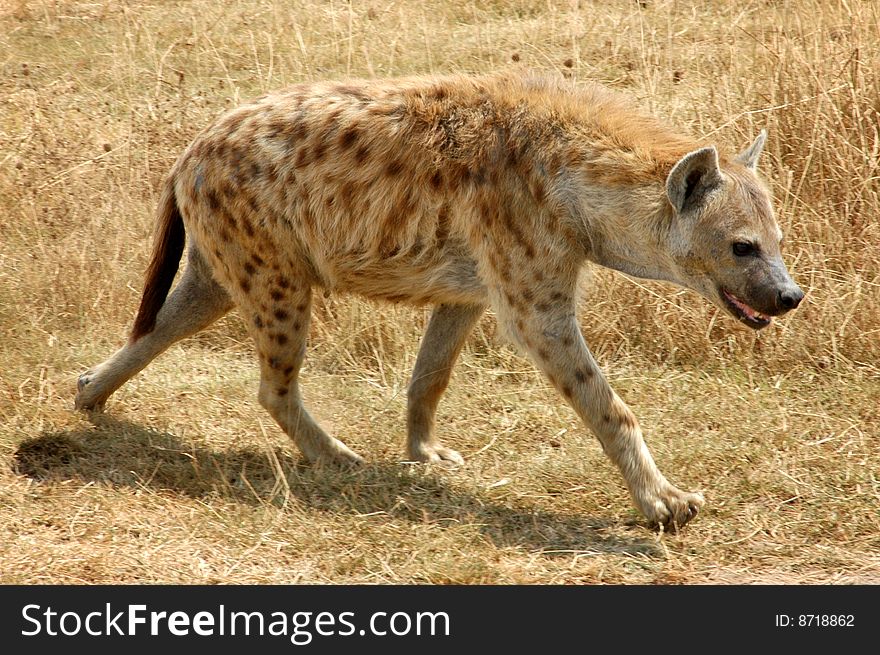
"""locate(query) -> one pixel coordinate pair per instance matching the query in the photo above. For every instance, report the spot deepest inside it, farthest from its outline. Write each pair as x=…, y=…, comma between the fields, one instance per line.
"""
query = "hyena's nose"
x=789, y=298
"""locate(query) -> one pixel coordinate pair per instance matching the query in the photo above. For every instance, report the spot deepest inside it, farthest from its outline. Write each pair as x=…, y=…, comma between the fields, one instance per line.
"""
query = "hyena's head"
x=724, y=239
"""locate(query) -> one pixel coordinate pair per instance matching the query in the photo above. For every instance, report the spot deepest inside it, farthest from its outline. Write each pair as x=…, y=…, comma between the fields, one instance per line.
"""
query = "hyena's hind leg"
x=447, y=331
x=280, y=333
x=196, y=302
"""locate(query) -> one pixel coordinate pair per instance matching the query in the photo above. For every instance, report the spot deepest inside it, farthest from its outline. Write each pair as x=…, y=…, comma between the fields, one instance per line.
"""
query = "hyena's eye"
x=744, y=249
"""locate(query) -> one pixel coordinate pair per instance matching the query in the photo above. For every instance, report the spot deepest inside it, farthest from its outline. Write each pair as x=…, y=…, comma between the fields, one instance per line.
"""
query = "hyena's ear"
x=694, y=174
x=749, y=156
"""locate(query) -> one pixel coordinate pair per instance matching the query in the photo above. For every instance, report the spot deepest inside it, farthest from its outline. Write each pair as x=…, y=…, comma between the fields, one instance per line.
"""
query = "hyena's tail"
x=167, y=251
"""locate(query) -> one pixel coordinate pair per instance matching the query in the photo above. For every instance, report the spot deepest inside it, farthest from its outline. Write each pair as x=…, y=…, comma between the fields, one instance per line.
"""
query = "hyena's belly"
x=449, y=276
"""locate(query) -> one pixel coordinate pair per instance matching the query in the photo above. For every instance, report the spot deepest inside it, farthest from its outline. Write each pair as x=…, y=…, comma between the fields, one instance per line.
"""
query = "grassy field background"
x=185, y=479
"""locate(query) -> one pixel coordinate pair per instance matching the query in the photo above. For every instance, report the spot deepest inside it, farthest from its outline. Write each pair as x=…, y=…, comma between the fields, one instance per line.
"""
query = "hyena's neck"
x=623, y=227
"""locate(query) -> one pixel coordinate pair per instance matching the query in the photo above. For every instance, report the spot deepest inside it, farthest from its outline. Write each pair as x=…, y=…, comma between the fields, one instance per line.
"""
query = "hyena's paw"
x=436, y=454
x=668, y=507
x=336, y=454
x=89, y=394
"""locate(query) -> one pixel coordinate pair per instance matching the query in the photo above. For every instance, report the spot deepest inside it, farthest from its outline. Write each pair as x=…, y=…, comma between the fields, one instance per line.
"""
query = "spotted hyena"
x=462, y=192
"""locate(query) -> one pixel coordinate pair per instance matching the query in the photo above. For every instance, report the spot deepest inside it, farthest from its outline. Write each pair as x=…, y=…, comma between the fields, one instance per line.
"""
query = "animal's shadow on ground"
x=122, y=453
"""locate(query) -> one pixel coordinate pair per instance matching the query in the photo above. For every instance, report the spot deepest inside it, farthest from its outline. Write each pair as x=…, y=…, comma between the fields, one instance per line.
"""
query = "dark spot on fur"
x=394, y=168
x=543, y=354
x=282, y=282
x=581, y=376
x=348, y=137
x=346, y=195
x=249, y=268
x=213, y=200
x=258, y=321
x=360, y=156
x=271, y=174
x=302, y=157
x=280, y=338
x=442, y=231
x=234, y=122
x=282, y=391
x=606, y=418
x=281, y=315
x=253, y=205
x=229, y=219
x=513, y=227
x=436, y=181
x=319, y=151
x=566, y=391
x=487, y=211
x=227, y=190
x=512, y=155
x=245, y=285
x=298, y=130
x=297, y=326
x=301, y=308
x=303, y=195
x=277, y=127
x=276, y=294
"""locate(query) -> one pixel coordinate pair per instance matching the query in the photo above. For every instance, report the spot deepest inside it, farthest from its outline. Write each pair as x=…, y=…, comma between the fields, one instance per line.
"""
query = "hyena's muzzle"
x=760, y=289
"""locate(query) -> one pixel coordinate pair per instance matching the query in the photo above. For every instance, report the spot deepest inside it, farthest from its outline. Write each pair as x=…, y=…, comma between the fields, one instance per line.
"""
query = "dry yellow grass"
x=186, y=479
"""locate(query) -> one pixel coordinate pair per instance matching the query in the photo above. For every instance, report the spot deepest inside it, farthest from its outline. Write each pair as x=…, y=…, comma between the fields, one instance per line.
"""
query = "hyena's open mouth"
x=751, y=317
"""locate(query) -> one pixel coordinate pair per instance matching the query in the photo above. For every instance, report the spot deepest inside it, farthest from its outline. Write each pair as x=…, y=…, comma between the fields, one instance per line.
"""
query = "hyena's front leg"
x=447, y=331
x=550, y=334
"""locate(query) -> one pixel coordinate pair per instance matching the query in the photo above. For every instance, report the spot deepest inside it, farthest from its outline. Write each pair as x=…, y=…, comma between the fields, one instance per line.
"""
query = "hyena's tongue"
x=745, y=309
